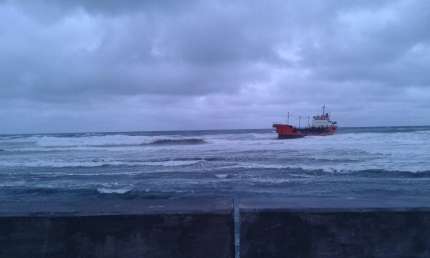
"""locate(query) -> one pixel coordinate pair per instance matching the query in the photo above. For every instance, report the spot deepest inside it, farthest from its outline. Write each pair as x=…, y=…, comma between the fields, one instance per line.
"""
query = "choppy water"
x=355, y=162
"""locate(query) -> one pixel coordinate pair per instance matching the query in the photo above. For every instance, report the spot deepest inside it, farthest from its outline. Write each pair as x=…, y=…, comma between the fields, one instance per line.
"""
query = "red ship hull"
x=287, y=132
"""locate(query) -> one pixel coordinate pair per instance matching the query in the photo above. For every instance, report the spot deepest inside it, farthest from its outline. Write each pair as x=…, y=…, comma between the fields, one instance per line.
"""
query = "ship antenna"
x=288, y=118
x=323, y=109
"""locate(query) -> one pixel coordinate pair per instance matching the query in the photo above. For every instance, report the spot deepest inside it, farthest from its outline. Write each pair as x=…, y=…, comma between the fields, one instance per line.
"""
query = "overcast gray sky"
x=108, y=65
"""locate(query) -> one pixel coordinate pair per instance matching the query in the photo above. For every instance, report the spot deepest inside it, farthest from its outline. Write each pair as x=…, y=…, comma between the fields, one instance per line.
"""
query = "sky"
x=103, y=66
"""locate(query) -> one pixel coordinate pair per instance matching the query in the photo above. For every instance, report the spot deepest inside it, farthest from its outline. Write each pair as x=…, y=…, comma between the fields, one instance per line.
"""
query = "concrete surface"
x=335, y=227
x=144, y=228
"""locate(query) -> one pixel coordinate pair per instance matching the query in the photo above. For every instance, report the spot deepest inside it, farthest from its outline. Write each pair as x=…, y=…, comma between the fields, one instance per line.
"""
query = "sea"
x=355, y=162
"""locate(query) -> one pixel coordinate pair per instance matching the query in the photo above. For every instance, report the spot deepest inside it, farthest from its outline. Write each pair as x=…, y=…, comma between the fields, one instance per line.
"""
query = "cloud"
x=227, y=59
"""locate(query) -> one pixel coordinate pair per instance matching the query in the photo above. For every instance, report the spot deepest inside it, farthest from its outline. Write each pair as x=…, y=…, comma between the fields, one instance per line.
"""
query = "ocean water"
x=355, y=162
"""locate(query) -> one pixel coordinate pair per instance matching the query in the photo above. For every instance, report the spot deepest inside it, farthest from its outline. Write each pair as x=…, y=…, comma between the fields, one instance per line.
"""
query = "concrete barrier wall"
x=397, y=227
x=146, y=228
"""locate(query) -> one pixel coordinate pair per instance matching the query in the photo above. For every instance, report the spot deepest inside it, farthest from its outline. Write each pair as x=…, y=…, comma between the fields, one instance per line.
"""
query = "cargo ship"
x=321, y=126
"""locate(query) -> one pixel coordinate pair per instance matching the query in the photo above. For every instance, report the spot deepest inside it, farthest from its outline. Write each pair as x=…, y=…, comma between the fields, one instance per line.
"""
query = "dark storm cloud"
x=187, y=54
x=182, y=53
x=217, y=56
x=52, y=9
x=391, y=47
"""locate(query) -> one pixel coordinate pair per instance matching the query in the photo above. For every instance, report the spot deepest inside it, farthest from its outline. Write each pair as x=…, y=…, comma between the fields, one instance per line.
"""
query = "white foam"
x=221, y=175
x=93, y=141
x=113, y=190
x=270, y=180
x=59, y=163
x=400, y=151
x=172, y=163
x=56, y=163
x=12, y=183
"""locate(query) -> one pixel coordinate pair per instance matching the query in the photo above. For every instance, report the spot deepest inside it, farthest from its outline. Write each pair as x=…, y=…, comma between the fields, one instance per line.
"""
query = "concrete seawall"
x=395, y=227
x=293, y=227
x=144, y=228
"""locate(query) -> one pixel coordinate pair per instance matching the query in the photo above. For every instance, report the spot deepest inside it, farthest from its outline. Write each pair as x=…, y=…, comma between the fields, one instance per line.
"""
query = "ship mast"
x=323, y=109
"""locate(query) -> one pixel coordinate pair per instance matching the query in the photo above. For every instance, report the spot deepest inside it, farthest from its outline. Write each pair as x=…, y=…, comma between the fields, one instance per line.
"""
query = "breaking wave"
x=230, y=163
x=190, y=141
